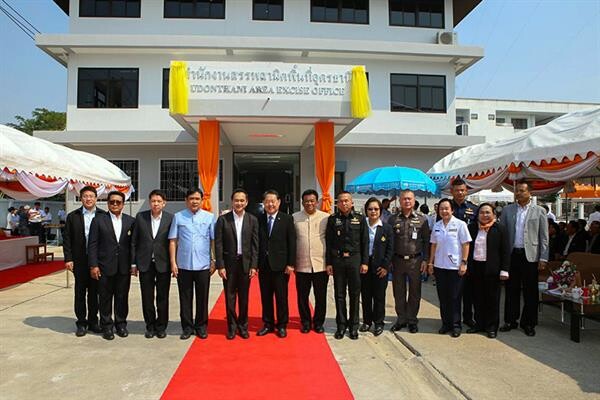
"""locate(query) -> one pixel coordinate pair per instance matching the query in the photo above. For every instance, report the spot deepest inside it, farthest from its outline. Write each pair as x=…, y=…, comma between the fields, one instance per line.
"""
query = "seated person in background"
x=593, y=245
x=556, y=241
x=576, y=239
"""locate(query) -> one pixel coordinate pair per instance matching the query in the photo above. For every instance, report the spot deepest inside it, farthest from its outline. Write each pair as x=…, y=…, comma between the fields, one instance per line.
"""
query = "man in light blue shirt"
x=190, y=242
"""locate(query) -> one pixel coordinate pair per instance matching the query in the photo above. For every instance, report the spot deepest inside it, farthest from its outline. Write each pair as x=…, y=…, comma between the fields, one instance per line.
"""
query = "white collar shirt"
x=372, y=233
x=566, y=249
x=88, y=216
x=449, y=240
x=155, y=223
x=480, y=249
x=520, y=225
x=239, y=224
x=117, y=223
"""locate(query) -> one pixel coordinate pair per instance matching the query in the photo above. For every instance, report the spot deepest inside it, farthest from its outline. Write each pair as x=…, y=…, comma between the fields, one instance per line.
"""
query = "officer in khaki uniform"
x=411, y=252
x=347, y=256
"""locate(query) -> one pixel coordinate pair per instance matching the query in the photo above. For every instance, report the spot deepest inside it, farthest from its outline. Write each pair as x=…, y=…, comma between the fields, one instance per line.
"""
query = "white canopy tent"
x=548, y=155
x=33, y=168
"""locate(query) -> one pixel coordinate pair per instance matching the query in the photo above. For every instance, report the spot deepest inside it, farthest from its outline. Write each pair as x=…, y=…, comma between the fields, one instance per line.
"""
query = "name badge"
x=452, y=230
x=414, y=235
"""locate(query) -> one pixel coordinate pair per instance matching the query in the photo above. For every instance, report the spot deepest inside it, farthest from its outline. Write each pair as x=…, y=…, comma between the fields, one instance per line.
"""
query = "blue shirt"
x=193, y=233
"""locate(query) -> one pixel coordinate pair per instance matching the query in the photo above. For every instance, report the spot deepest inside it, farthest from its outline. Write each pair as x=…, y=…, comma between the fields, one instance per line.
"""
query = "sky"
x=534, y=50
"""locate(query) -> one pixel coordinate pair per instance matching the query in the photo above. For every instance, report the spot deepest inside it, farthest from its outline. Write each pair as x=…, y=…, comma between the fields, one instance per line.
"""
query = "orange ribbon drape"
x=208, y=158
x=325, y=161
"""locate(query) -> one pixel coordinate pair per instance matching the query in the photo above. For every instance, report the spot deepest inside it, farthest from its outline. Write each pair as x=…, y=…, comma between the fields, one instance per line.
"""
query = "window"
x=267, y=10
x=131, y=168
x=177, y=177
x=474, y=116
x=107, y=88
x=519, y=123
x=500, y=120
x=418, y=93
x=419, y=13
x=339, y=181
x=491, y=117
x=165, y=88
x=460, y=119
x=211, y=9
x=109, y=8
x=342, y=11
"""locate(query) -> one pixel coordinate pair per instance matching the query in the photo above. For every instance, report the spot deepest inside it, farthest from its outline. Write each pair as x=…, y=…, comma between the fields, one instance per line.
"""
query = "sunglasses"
x=115, y=202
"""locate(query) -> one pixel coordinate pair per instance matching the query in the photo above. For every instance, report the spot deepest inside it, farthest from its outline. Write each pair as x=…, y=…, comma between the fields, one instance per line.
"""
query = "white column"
x=580, y=210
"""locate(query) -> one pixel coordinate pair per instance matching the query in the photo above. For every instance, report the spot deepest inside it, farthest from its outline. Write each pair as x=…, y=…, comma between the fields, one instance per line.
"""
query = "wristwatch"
x=464, y=262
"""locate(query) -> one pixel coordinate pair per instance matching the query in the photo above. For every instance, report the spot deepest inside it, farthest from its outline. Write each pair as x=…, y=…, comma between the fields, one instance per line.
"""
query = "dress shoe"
x=122, y=332
x=108, y=335
x=413, y=328
x=378, y=330
x=281, y=332
x=201, y=333
x=161, y=334
x=455, y=333
x=230, y=335
x=491, y=335
x=149, y=334
x=305, y=329
x=353, y=334
x=95, y=328
x=364, y=327
x=185, y=335
x=529, y=330
x=81, y=331
x=244, y=333
x=264, y=331
x=339, y=333
x=508, y=326
x=398, y=326
x=474, y=330
x=469, y=322
x=319, y=329
x=443, y=330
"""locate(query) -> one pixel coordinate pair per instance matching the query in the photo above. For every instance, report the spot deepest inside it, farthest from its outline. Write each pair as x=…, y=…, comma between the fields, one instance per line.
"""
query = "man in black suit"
x=236, y=248
x=150, y=248
x=576, y=239
x=276, y=259
x=594, y=238
x=109, y=258
x=75, y=237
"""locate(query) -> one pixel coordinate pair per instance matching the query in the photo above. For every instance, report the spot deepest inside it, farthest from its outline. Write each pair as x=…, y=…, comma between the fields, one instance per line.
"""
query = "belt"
x=408, y=256
x=518, y=250
x=345, y=254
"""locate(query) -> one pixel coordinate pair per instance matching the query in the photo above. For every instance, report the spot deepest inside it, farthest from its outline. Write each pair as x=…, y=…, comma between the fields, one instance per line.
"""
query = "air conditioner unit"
x=462, y=129
x=447, y=38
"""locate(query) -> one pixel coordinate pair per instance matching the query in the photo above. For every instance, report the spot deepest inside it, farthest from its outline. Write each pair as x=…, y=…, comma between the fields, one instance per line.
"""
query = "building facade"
x=118, y=52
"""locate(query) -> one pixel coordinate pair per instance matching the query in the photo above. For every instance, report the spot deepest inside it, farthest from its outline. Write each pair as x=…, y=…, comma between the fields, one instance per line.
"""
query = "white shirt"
x=117, y=223
x=480, y=249
x=155, y=223
x=566, y=249
x=520, y=225
x=449, y=240
x=239, y=224
x=62, y=215
x=88, y=216
x=372, y=233
x=274, y=216
x=47, y=218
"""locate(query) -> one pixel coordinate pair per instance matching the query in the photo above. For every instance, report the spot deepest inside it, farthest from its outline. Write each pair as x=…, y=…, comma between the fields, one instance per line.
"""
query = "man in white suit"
x=527, y=228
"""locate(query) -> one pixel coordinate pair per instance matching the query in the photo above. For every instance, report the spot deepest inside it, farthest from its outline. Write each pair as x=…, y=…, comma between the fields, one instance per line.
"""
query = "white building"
x=117, y=54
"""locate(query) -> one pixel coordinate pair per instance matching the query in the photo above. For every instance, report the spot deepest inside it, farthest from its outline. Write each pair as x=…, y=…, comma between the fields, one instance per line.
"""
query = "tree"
x=41, y=120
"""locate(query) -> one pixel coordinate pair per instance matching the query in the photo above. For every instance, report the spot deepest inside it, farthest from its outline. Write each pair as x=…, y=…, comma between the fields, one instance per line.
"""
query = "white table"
x=13, y=253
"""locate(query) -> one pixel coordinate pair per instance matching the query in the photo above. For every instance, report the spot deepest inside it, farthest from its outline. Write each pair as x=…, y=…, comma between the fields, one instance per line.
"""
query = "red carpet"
x=28, y=272
x=300, y=366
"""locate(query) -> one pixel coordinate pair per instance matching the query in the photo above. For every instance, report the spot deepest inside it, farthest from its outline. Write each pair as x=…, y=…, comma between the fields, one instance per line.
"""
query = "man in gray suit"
x=150, y=247
x=527, y=228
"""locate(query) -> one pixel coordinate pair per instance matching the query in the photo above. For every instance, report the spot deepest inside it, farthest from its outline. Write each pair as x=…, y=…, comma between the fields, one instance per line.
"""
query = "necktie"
x=270, y=224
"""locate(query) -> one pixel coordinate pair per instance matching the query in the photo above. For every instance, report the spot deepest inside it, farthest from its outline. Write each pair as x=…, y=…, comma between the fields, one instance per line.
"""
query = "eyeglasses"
x=372, y=209
x=115, y=202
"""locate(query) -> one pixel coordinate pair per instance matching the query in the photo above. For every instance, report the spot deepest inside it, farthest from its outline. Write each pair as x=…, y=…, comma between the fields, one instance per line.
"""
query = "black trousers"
x=189, y=282
x=372, y=292
x=449, y=288
x=152, y=281
x=467, y=300
x=237, y=287
x=523, y=274
x=115, y=288
x=86, y=297
x=486, y=296
x=35, y=229
x=318, y=281
x=407, y=271
x=346, y=279
x=274, y=284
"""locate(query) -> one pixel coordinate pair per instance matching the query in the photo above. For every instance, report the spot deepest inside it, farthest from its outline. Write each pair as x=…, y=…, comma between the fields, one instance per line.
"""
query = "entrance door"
x=259, y=172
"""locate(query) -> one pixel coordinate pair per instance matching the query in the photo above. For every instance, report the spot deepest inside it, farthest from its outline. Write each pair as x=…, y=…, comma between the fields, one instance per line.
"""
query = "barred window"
x=208, y=9
x=340, y=11
x=109, y=8
x=177, y=177
x=131, y=168
x=421, y=13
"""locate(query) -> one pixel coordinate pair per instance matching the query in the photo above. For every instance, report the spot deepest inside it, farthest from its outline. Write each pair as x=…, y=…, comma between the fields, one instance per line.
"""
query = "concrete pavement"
x=43, y=358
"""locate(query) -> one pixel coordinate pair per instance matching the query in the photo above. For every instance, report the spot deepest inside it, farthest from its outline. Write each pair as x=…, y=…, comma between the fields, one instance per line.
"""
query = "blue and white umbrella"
x=392, y=180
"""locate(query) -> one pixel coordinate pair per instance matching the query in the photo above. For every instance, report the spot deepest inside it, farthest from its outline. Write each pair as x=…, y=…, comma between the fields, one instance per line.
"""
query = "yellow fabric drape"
x=178, y=88
x=325, y=161
x=359, y=93
x=208, y=158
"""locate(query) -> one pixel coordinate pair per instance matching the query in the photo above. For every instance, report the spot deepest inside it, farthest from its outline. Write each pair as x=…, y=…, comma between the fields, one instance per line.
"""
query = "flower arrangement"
x=565, y=275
